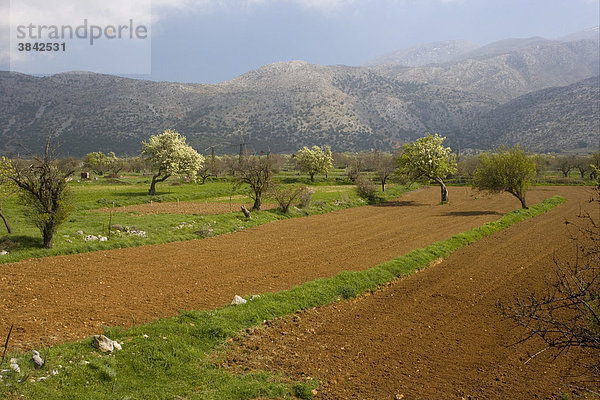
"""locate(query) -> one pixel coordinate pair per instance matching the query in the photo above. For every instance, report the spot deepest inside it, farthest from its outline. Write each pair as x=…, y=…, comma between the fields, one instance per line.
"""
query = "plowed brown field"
x=437, y=334
x=62, y=298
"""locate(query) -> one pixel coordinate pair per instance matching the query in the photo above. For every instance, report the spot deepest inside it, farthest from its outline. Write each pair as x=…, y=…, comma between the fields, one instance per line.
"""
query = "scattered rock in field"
x=37, y=360
x=135, y=232
x=254, y=297
x=14, y=365
x=80, y=233
x=182, y=225
x=399, y=397
x=103, y=238
x=90, y=238
x=3, y=253
x=104, y=344
x=238, y=300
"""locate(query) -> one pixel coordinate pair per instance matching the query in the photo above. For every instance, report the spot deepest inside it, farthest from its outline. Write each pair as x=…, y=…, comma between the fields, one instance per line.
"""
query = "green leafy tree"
x=508, y=170
x=115, y=164
x=427, y=159
x=7, y=187
x=43, y=189
x=314, y=161
x=97, y=161
x=171, y=156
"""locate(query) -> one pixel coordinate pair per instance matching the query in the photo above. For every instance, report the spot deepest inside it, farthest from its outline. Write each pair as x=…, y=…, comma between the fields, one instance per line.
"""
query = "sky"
x=210, y=41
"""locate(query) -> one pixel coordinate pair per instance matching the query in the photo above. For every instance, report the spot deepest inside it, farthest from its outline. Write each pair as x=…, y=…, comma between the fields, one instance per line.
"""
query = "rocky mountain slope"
x=547, y=120
x=429, y=53
x=284, y=106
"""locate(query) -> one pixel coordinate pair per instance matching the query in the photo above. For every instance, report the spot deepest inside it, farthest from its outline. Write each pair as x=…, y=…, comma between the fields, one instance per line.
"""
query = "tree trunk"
x=155, y=180
x=312, y=177
x=48, y=234
x=257, y=203
x=443, y=189
x=383, y=185
x=5, y=221
x=152, y=190
x=522, y=199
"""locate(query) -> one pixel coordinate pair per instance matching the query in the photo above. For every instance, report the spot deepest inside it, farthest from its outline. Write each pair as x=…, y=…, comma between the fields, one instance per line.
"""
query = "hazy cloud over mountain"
x=216, y=40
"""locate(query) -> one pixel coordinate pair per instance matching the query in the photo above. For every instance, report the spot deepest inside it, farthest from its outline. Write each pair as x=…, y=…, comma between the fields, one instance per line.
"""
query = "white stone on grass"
x=37, y=360
x=14, y=365
x=238, y=300
x=104, y=344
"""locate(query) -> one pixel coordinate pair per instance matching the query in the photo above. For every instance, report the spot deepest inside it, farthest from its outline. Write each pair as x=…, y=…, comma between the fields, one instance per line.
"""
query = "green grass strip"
x=167, y=359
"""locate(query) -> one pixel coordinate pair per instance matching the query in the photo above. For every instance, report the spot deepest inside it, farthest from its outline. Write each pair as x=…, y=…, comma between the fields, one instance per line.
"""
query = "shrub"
x=285, y=195
x=366, y=189
x=305, y=198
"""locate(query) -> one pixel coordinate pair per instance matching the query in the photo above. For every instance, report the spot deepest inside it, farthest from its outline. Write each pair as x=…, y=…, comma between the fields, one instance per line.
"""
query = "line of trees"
x=41, y=182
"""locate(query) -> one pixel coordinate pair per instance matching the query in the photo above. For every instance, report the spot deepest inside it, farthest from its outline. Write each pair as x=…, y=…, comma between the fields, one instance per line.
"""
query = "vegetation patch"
x=169, y=358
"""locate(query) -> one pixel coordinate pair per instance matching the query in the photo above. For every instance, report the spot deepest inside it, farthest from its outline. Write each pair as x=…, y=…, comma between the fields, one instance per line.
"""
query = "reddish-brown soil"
x=62, y=298
x=437, y=334
x=184, y=207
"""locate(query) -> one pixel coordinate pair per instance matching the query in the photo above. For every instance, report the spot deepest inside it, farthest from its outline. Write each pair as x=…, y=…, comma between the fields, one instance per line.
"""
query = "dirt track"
x=63, y=298
x=434, y=335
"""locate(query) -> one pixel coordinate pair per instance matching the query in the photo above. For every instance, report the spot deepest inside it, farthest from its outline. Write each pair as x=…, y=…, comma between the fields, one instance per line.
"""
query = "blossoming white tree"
x=314, y=161
x=427, y=159
x=171, y=156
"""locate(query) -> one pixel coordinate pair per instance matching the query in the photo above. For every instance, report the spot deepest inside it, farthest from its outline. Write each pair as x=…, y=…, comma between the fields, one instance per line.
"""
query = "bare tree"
x=384, y=166
x=567, y=316
x=565, y=164
x=257, y=172
x=43, y=187
x=355, y=167
x=583, y=165
x=286, y=194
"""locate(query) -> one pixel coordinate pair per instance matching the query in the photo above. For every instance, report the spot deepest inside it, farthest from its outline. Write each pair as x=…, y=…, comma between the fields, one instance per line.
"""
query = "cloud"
x=211, y=5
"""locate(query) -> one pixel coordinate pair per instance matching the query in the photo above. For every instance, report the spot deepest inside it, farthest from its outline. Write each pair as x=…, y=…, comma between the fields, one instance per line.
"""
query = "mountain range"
x=537, y=92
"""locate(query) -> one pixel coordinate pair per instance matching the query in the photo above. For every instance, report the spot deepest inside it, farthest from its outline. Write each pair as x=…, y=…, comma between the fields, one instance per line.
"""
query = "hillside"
x=575, y=121
x=429, y=53
x=287, y=105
